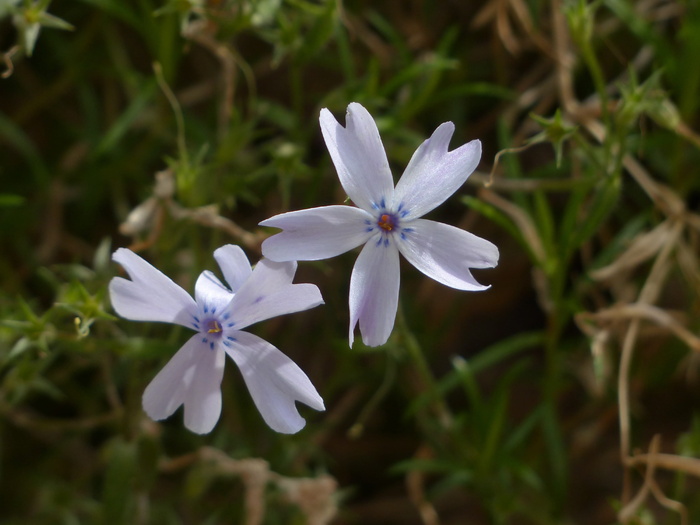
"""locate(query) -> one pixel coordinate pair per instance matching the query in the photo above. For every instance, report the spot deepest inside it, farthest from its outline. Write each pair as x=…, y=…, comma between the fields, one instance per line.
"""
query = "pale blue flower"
x=386, y=220
x=218, y=314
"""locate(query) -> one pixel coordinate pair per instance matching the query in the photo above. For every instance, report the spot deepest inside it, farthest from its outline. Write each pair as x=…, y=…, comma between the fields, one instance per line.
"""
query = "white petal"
x=359, y=156
x=446, y=253
x=374, y=292
x=210, y=292
x=275, y=382
x=234, y=265
x=203, y=399
x=317, y=233
x=269, y=292
x=149, y=295
x=433, y=174
x=193, y=378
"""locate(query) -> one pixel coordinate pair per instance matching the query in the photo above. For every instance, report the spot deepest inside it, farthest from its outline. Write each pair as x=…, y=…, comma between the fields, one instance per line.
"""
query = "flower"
x=386, y=220
x=193, y=376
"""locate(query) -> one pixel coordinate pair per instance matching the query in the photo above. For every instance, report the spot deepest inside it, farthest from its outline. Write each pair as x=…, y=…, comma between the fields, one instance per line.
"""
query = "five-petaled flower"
x=386, y=220
x=193, y=376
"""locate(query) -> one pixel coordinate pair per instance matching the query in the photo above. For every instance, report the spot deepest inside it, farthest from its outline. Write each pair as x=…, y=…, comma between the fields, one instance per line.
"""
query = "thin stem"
x=175, y=105
x=648, y=294
x=425, y=374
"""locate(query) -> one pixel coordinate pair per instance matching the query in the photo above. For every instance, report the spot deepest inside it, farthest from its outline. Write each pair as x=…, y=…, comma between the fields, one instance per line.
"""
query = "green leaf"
x=117, y=498
x=494, y=214
x=122, y=10
x=545, y=222
x=556, y=449
x=497, y=419
x=7, y=7
x=8, y=200
x=49, y=20
x=320, y=32
x=127, y=119
x=17, y=138
x=603, y=203
x=509, y=347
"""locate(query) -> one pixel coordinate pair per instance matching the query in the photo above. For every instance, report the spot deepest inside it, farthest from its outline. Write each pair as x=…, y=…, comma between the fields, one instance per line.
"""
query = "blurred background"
x=566, y=393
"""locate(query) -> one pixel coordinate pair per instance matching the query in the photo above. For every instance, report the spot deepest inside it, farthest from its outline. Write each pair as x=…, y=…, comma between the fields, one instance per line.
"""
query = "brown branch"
x=416, y=490
x=7, y=59
x=315, y=497
x=649, y=294
x=627, y=512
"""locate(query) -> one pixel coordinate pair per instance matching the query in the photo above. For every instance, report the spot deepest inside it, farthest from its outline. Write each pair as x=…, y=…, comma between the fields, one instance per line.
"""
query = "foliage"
x=565, y=393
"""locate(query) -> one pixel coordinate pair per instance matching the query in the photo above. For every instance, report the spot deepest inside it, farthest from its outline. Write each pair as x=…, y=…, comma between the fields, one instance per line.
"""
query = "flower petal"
x=275, y=382
x=210, y=292
x=446, y=253
x=317, y=233
x=359, y=156
x=234, y=265
x=193, y=378
x=269, y=292
x=374, y=292
x=433, y=174
x=149, y=295
x=203, y=399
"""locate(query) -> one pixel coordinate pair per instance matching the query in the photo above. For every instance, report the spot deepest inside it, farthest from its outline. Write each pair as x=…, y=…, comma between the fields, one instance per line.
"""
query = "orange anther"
x=386, y=222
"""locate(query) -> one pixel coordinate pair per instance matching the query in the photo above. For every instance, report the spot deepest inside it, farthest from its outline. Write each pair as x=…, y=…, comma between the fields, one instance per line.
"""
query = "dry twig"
x=315, y=497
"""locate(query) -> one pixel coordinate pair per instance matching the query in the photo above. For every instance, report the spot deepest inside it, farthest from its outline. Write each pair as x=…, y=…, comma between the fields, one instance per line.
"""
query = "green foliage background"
x=534, y=402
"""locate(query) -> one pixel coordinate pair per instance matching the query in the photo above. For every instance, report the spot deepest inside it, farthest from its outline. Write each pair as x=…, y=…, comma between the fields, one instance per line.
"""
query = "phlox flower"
x=218, y=314
x=386, y=220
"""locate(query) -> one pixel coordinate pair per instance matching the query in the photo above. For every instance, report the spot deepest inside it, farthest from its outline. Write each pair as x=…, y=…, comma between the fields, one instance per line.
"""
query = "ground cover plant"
x=539, y=367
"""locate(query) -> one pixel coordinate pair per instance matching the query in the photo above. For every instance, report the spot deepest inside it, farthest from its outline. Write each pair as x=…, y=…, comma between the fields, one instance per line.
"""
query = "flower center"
x=387, y=222
x=213, y=327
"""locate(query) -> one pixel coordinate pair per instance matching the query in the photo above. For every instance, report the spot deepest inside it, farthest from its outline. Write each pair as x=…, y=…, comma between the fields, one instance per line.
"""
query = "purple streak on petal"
x=275, y=382
x=446, y=253
x=359, y=156
x=317, y=233
x=374, y=292
x=149, y=295
x=433, y=174
x=269, y=292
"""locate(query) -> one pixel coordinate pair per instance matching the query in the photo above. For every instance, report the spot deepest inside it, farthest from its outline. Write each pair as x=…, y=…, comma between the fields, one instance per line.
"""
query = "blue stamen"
x=211, y=345
x=383, y=203
x=230, y=325
x=226, y=316
x=205, y=340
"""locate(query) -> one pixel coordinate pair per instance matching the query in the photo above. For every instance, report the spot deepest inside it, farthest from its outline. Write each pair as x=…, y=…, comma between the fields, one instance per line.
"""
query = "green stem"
x=550, y=389
x=428, y=384
x=596, y=71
